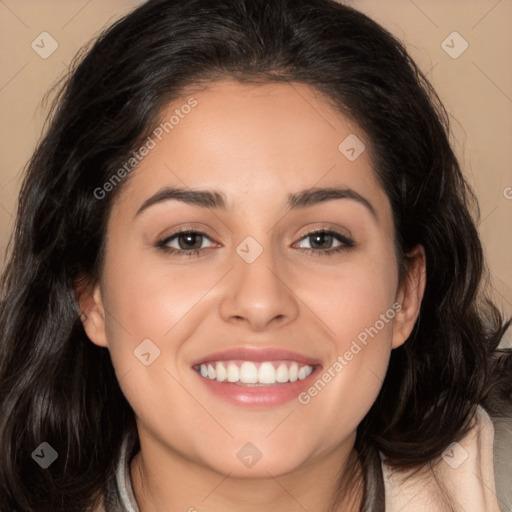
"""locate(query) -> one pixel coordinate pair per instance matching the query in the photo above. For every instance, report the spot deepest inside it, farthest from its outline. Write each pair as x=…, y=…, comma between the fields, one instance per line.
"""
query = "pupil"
x=189, y=241
x=321, y=236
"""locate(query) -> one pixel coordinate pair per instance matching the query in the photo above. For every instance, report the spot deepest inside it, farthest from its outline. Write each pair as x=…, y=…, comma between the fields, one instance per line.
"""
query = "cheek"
x=351, y=297
x=345, y=390
x=347, y=386
x=358, y=306
x=162, y=303
x=149, y=300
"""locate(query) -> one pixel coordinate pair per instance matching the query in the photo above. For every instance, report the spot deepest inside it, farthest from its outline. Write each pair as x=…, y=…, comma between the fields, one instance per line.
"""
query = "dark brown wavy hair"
x=57, y=386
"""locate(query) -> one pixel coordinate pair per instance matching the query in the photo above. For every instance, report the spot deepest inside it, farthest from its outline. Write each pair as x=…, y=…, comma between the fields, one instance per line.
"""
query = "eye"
x=185, y=242
x=321, y=242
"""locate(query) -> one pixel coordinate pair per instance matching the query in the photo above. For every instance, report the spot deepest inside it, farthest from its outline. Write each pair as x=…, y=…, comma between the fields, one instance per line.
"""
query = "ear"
x=92, y=313
x=409, y=295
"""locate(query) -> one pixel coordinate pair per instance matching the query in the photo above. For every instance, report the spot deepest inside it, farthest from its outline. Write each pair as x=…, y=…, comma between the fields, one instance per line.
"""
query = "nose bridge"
x=257, y=264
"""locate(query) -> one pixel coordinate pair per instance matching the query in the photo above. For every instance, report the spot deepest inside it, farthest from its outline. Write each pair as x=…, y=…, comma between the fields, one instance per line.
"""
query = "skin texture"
x=255, y=144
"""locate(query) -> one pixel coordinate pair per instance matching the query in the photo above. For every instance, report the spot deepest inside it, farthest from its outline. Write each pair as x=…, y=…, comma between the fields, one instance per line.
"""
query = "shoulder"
x=462, y=478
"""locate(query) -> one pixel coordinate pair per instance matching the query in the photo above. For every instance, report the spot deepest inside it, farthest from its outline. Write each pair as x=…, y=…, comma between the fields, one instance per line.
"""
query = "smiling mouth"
x=254, y=374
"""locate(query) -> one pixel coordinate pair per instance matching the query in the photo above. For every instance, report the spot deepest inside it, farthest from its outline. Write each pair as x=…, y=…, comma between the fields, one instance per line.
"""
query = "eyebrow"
x=216, y=199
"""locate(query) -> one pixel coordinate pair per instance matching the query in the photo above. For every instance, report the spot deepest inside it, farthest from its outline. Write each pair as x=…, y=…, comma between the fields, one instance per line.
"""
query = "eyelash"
x=346, y=243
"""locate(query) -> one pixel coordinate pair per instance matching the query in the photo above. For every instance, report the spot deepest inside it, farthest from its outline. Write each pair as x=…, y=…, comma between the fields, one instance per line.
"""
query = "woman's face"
x=265, y=301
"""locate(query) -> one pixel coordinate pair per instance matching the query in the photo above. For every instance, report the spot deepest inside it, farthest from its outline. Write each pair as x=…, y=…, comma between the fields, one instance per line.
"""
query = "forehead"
x=252, y=142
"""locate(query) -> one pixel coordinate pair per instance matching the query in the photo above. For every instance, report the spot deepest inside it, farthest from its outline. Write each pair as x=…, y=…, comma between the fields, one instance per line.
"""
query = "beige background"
x=476, y=88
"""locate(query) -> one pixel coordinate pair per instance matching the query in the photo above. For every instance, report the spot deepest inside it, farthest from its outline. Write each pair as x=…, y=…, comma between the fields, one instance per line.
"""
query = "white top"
x=464, y=473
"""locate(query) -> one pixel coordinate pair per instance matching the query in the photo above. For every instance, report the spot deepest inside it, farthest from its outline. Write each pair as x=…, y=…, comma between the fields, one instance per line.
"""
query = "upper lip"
x=256, y=354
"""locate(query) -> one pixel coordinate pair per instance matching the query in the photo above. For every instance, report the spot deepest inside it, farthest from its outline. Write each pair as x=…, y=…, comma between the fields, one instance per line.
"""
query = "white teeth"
x=233, y=373
x=255, y=373
x=294, y=372
x=282, y=373
x=221, y=372
x=267, y=373
x=248, y=373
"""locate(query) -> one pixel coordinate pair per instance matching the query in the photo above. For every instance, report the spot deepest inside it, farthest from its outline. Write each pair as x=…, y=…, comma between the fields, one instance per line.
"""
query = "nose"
x=257, y=293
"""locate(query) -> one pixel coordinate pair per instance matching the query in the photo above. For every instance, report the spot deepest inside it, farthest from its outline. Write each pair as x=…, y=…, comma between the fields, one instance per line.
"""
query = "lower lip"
x=258, y=396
